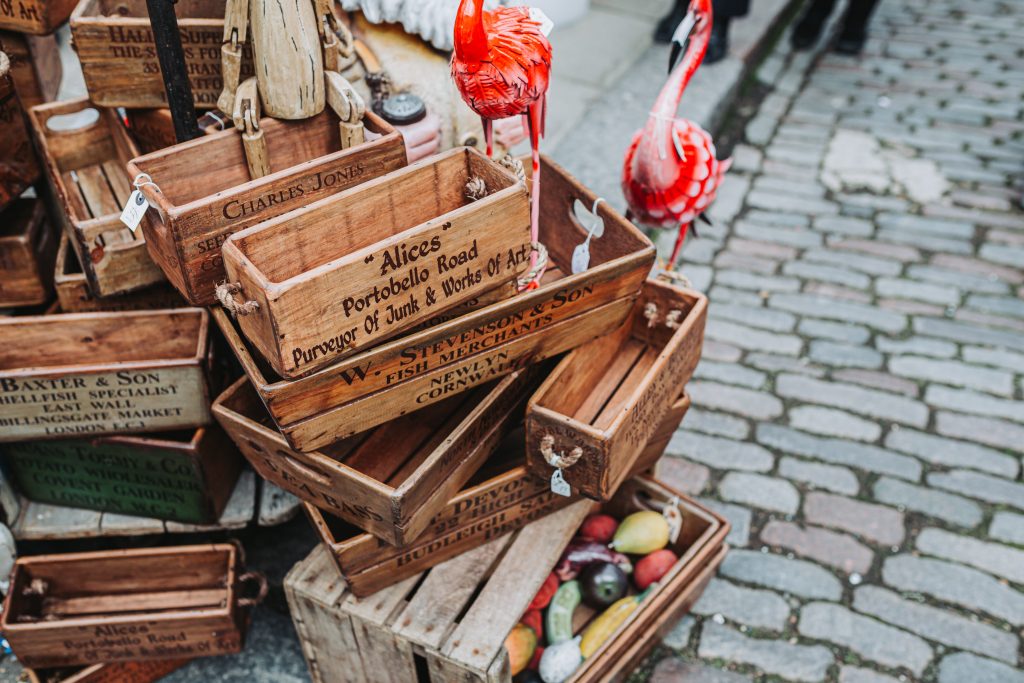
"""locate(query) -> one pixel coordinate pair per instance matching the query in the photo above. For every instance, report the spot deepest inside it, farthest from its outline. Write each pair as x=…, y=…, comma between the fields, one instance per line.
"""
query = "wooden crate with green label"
x=182, y=476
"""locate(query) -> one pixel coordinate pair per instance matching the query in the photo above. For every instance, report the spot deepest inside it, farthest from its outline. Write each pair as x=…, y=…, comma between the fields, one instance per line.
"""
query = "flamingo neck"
x=470, y=36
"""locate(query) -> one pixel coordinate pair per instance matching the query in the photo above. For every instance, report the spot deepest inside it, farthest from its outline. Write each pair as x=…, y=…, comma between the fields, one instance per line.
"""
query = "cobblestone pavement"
x=858, y=413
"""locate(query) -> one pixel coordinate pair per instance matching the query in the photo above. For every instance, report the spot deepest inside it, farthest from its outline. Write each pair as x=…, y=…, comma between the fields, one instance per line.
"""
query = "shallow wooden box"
x=663, y=434
x=428, y=365
x=179, y=476
x=604, y=413
x=120, y=672
x=74, y=296
x=89, y=374
x=500, y=498
x=37, y=17
x=207, y=194
x=392, y=480
x=349, y=271
x=35, y=66
x=18, y=166
x=115, y=46
x=127, y=605
x=450, y=623
x=28, y=250
x=85, y=166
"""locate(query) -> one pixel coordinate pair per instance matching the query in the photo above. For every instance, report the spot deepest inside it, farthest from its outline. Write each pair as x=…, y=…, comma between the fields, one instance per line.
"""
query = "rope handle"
x=673, y=319
x=558, y=460
x=225, y=293
x=261, y=592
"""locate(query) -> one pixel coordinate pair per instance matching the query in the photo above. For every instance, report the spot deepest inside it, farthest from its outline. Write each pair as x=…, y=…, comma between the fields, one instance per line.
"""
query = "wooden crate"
x=115, y=46
x=349, y=271
x=390, y=481
x=28, y=249
x=35, y=66
x=85, y=166
x=153, y=129
x=426, y=366
x=88, y=374
x=18, y=166
x=207, y=194
x=127, y=605
x=501, y=497
x=37, y=17
x=74, y=296
x=601, y=415
x=451, y=622
x=120, y=672
x=180, y=476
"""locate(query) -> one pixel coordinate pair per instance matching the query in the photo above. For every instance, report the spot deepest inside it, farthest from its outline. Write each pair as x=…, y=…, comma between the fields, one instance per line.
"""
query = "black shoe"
x=805, y=33
x=718, y=43
x=851, y=42
x=667, y=26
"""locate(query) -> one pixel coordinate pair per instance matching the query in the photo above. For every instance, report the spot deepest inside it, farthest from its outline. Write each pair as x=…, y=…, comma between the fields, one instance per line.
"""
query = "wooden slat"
x=133, y=602
x=626, y=388
x=620, y=366
x=118, y=181
x=96, y=191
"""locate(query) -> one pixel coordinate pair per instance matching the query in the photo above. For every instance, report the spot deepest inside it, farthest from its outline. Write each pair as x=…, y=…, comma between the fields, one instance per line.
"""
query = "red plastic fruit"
x=535, y=662
x=535, y=620
x=546, y=592
x=600, y=528
x=652, y=567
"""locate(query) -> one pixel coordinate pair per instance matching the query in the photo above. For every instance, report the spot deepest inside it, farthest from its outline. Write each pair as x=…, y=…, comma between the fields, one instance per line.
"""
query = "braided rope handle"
x=225, y=293
x=673, y=319
x=558, y=460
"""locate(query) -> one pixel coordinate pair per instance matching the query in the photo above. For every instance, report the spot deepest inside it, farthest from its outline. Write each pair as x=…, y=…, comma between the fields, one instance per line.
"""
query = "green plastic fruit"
x=602, y=583
x=641, y=533
x=520, y=643
x=558, y=617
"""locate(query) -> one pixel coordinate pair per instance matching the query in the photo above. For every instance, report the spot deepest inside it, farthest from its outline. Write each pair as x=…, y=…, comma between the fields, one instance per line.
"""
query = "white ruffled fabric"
x=432, y=20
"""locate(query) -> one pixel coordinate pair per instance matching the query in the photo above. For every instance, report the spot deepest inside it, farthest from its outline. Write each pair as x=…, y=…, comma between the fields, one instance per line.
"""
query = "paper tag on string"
x=537, y=14
x=559, y=485
x=134, y=210
x=581, y=258
x=674, y=519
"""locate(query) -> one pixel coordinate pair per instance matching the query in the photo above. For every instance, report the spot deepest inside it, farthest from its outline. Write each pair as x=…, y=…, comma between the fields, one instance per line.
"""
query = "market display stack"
x=468, y=388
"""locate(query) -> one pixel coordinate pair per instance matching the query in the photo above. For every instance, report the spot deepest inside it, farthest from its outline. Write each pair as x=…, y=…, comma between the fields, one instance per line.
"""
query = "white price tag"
x=581, y=257
x=134, y=210
x=559, y=485
x=674, y=519
x=537, y=14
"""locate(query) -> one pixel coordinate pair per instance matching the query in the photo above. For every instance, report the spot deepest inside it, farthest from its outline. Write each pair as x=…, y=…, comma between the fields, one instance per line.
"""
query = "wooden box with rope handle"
x=589, y=423
x=119, y=672
x=79, y=609
x=85, y=150
x=454, y=355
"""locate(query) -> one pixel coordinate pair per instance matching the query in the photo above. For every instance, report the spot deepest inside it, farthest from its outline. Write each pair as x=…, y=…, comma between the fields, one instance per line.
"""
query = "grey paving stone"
x=997, y=304
x=955, y=583
x=1011, y=256
x=910, y=289
x=989, y=431
x=961, y=281
x=936, y=624
x=793, y=662
x=1007, y=526
x=776, y=201
x=967, y=333
x=796, y=577
x=876, y=523
x=675, y=670
x=953, y=372
x=767, y=493
x=968, y=401
x=798, y=238
x=940, y=450
x=963, y=667
x=925, y=224
x=840, y=332
x=679, y=636
x=792, y=219
x=829, y=477
x=920, y=346
x=868, y=402
x=730, y=373
x=845, y=355
x=753, y=607
x=756, y=316
x=944, y=506
x=998, y=357
x=855, y=455
x=773, y=363
x=739, y=519
x=758, y=405
x=767, y=250
x=832, y=422
x=884, y=250
x=826, y=273
x=996, y=490
x=869, y=638
x=716, y=424
x=760, y=283
x=721, y=454
x=719, y=351
x=872, y=265
x=753, y=339
x=853, y=674
x=844, y=225
x=878, y=379
x=690, y=478
x=1001, y=560
x=822, y=545
x=843, y=311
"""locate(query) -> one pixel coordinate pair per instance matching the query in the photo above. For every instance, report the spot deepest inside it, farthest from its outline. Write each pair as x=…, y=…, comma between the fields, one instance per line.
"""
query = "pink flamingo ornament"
x=671, y=175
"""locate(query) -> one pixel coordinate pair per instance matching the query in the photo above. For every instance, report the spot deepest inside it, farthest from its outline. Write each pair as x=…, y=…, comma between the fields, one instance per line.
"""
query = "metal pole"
x=172, y=64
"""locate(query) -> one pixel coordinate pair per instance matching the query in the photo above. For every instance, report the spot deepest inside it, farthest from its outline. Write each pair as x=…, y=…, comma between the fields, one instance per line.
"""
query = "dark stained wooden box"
x=28, y=250
x=120, y=672
x=126, y=605
x=35, y=66
x=604, y=413
x=37, y=17
x=19, y=169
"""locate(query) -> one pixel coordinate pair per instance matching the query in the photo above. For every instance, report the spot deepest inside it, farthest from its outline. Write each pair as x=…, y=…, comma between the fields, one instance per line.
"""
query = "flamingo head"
x=697, y=22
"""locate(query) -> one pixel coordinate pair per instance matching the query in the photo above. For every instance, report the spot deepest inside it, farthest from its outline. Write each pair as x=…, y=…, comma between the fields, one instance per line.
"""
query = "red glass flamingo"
x=501, y=65
x=671, y=175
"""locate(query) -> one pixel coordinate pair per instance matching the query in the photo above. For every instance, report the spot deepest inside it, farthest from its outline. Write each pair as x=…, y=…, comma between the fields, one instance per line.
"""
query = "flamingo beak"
x=681, y=39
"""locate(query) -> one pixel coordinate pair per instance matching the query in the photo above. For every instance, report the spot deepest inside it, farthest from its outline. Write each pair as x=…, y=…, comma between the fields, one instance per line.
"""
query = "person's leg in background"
x=724, y=11
x=854, y=25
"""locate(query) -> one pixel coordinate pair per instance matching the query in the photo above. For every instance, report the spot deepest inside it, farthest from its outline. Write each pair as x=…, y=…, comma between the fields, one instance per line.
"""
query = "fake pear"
x=641, y=533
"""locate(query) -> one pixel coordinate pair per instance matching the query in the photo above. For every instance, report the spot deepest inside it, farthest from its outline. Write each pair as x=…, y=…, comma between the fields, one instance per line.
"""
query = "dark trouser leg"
x=718, y=44
x=667, y=26
x=855, y=22
x=809, y=27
